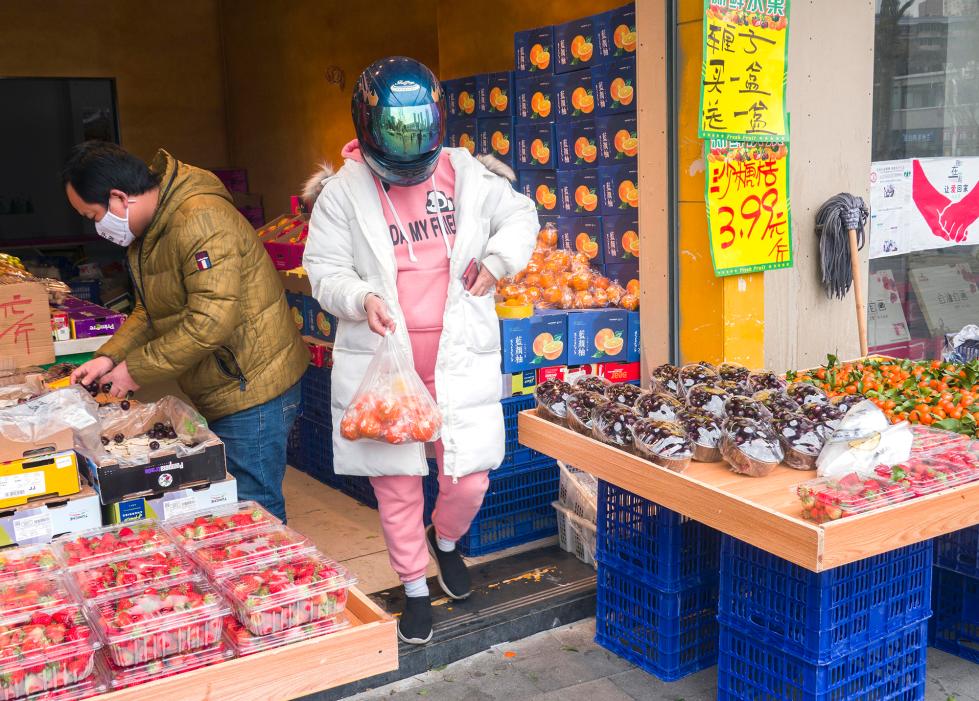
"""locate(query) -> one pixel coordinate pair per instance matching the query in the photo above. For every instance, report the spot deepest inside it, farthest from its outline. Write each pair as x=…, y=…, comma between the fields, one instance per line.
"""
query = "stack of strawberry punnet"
x=281, y=589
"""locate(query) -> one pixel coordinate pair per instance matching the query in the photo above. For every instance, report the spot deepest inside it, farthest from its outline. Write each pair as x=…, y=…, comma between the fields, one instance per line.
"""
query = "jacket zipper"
x=242, y=380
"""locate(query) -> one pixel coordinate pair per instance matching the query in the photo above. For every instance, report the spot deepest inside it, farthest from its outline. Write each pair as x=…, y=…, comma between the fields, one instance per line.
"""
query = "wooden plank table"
x=368, y=647
x=765, y=512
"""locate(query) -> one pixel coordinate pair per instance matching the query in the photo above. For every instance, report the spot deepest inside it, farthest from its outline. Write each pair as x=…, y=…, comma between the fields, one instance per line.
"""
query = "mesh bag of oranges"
x=392, y=404
x=556, y=278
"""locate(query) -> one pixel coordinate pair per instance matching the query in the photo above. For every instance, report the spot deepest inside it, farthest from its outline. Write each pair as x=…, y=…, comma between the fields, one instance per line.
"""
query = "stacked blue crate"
x=657, y=585
x=955, y=597
x=856, y=631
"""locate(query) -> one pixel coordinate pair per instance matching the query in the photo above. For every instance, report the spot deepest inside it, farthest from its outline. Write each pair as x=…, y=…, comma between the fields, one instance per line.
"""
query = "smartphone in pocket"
x=470, y=274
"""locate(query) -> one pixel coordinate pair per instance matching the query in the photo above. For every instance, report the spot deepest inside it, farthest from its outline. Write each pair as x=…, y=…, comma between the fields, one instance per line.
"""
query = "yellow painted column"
x=720, y=318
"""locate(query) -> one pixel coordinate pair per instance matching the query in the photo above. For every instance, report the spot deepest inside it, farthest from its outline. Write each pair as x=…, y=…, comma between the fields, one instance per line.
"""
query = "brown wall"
x=165, y=57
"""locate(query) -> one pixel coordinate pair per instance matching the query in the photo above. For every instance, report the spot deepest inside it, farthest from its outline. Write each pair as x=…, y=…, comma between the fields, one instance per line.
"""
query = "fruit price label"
x=742, y=86
x=34, y=528
x=748, y=214
x=178, y=503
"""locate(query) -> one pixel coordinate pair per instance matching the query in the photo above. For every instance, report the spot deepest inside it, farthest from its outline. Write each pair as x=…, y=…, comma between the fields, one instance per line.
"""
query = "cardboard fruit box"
x=460, y=97
x=462, y=133
x=26, y=479
x=173, y=504
x=533, y=51
x=495, y=137
x=40, y=521
x=534, y=146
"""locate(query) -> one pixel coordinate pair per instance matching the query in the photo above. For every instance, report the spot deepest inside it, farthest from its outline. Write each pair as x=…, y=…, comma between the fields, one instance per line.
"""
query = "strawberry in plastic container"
x=827, y=499
x=223, y=520
x=28, y=561
x=223, y=556
x=105, y=543
x=124, y=677
x=137, y=569
x=934, y=472
x=245, y=642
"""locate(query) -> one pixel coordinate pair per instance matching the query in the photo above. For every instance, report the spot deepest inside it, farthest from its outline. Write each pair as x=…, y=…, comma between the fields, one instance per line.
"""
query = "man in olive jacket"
x=210, y=309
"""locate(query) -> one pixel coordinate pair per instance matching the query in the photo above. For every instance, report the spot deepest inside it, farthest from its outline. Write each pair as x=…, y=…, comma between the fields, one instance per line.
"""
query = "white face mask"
x=114, y=228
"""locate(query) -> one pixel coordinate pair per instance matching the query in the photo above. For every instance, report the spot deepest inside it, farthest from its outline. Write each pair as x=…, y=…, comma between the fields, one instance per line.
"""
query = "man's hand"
x=378, y=316
x=122, y=383
x=92, y=371
x=484, y=283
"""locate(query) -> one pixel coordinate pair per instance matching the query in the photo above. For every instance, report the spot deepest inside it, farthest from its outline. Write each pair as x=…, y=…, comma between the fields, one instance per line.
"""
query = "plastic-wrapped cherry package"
x=734, y=388
x=750, y=447
x=222, y=557
x=125, y=572
x=665, y=378
x=801, y=440
x=99, y=544
x=623, y=393
x=659, y=406
x=704, y=432
x=826, y=417
x=156, y=622
x=764, y=379
x=124, y=677
x=551, y=396
x=27, y=561
x=804, y=393
x=707, y=399
x=612, y=424
x=292, y=591
x=664, y=443
x=738, y=407
x=695, y=374
x=845, y=402
x=237, y=518
x=826, y=499
x=244, y=642
x=734, y=372
x=777, y=402
x=590, y=383
x=941, y=468
x=581, y=407
x=392, y=404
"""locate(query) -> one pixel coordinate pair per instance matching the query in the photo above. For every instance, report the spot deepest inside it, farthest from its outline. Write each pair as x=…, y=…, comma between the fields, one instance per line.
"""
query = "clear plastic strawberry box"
x=45, y=651
x=156, y=622
x=100, y=544
x=928, y=438
x=244, y=642
x=934, y=471
x=226, y=520
x=125, y=677
x=273, y=596
x=24, y=596
x=221, y=557
x=156, y=568
x=826, y=499
x=28, y=561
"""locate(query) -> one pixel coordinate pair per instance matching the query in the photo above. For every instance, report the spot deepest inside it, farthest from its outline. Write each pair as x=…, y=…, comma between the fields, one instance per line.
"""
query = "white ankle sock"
x=416, y=588
x=444, y=545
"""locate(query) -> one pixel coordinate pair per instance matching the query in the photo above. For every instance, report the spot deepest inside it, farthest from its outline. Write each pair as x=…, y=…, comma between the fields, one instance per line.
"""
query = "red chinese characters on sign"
x=25, y=325
x=17, y=321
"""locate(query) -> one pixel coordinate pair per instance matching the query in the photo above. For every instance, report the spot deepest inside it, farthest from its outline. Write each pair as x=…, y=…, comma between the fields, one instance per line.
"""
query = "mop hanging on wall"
x=840, y=230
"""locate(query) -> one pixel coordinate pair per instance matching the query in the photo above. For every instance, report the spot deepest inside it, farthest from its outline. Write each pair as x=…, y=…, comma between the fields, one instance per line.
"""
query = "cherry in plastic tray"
x=221, y=557
x=245, y=642
x=292, y=591
x=156, y=622
x=101, y=544
x=131, y=570
x=827, y=499
x=27, y=561
x=934, y=471
x=124, y=677
x=241, y=517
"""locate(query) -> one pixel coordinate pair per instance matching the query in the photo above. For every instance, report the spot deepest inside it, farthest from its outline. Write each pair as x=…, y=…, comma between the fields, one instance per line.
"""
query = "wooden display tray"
x=368, y=647
x=766, y=511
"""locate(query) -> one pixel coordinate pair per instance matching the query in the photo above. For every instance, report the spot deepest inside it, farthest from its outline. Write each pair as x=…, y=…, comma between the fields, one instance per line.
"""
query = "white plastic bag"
x=392, y=404
x=864, y=440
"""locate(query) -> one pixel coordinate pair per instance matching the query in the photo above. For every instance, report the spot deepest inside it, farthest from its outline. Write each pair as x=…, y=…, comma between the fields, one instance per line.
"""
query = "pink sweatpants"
x=401, y=500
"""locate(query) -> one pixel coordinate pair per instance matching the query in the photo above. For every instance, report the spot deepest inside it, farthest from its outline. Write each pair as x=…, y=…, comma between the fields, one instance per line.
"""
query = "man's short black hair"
x=96, y=167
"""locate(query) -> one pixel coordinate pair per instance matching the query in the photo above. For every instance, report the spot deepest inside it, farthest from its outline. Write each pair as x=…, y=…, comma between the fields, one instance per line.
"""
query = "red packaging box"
x=621, y=372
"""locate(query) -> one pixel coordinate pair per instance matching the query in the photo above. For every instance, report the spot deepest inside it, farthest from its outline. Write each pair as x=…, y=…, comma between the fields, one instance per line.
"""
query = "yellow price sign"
x=742, y=87
x=748, y=212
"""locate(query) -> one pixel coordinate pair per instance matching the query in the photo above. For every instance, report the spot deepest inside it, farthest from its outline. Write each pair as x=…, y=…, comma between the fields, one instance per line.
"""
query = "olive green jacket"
x=211, y=310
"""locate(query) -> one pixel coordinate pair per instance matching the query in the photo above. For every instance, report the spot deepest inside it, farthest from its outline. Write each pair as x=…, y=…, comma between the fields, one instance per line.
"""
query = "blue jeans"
x=255, y=443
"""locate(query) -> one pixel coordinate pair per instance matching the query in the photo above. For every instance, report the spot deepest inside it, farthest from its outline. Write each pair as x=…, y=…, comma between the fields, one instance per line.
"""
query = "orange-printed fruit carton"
x=534, y=99
x=620, y=238
x=494, y=94
x=532, y=51
x=462, y=133
x=617, y=138
x=633, y=344
x=574, y=45
x=614, y=84
x=582, y=235
x=574, y=96
x=615, y=33
x=535, y=149
x=534, y=342
x=597, y=335
x=576, y=144
x=460, y=97
x=495, y=137
x=578, y=192
x=618, y=189
x=541, y=187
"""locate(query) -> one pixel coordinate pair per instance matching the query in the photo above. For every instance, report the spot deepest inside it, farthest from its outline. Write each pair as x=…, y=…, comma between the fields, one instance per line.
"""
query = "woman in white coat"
x=391, y=237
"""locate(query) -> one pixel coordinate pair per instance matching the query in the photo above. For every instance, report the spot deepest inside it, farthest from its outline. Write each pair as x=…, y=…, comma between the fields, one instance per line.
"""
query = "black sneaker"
x=453, y=576
x=415, y=624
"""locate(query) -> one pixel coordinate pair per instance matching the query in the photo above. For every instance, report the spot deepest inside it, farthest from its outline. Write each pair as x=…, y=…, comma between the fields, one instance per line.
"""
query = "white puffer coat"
x=349, y=255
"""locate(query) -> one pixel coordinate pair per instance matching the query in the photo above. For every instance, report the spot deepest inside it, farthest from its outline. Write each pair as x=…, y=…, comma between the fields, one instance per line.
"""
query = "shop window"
x=924, y=242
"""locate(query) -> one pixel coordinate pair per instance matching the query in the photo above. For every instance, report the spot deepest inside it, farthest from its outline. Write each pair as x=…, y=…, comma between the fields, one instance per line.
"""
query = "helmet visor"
x=405, y=134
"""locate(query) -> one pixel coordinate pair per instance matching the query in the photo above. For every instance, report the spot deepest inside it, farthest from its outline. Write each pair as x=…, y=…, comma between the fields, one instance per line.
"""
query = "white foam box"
x=173, y=504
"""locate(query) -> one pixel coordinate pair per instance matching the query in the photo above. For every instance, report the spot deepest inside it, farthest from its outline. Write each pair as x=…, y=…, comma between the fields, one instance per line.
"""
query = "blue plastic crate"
x=661, y=547
x=316, y=451
x=819, y=616
x=889, y=668
x=358, y=488
x=316, y=395
x=516, y=453
x=959, y=551
x=668, y=634
x=955, y=625
x=88, y=290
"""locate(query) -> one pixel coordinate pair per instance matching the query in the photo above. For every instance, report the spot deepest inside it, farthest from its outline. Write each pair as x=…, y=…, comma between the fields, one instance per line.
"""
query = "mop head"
x=833, y=223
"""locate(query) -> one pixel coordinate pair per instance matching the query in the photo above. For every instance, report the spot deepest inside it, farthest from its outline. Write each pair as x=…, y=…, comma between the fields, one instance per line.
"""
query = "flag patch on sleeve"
x=203, y=260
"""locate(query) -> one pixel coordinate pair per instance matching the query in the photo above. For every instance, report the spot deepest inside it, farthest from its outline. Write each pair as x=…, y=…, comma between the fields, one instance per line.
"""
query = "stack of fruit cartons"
x=280, y=588
x=856, y=631
x=657, y=585
x=955, y=596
